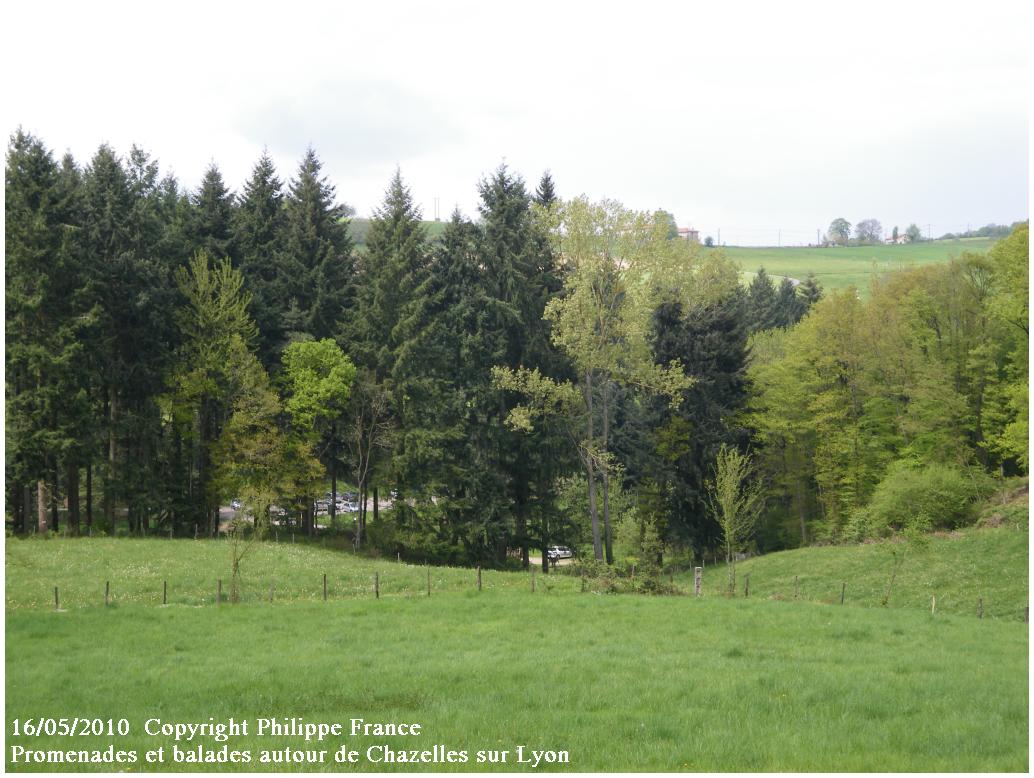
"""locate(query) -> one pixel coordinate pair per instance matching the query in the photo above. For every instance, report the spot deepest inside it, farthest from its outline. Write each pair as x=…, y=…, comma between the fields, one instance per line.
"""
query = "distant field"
x=838, y=268
x=359, y=227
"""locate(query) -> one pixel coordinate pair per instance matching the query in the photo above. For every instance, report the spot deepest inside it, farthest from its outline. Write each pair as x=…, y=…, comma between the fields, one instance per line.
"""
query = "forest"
x=551, y=371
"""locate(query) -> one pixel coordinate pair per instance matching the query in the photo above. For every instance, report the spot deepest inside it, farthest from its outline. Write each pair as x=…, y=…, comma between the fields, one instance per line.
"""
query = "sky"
x=762, y=120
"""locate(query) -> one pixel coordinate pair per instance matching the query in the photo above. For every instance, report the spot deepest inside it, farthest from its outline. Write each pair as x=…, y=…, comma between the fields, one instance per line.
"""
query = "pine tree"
x=545, y=194
x=810, y=291
x=258, y=234
x=789, y=307
x=213, y=216
x=318, y=251
x=392, y=267
x=762, y=313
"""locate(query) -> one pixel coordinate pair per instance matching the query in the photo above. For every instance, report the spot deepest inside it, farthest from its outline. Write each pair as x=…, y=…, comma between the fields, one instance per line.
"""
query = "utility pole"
x=817, y=241
x=928, y=232
x=719, y=236
x=779, y=240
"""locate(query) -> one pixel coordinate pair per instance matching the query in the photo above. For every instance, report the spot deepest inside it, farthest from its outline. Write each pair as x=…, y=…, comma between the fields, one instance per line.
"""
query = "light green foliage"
x=918, y=500
x=318, y=377
x=736, y=500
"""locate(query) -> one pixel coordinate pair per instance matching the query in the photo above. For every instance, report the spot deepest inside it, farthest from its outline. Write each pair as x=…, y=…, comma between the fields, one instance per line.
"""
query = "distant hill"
x=358, y=228
x=841, y=266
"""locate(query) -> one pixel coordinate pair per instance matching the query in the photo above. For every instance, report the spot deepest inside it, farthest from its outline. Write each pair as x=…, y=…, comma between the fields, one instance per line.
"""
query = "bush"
x=619, y=578
x=916, y=500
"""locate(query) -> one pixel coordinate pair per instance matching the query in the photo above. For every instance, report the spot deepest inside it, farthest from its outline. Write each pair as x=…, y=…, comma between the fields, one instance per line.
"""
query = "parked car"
x=235, y=504
x=553, y=553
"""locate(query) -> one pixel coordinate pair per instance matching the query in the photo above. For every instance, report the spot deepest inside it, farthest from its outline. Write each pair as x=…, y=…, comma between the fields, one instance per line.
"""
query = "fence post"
x=195, y=532
x=479, y=578
x=165, y=592
x=698, y=579
x=532, y=580
x=746, y=585
x=324, y=587
x=57, y=603
x=429, y=581
x=219, y=592
x=796, y=587
x=271, y=592
x=107, y=589
x=843, y=589
x=583, y=580
x=933, y=603
x=376, y=585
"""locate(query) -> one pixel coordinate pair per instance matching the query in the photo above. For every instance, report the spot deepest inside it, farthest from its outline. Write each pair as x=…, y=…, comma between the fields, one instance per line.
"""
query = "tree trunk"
x=607, y=541
x=41, y=507
x=376, y=507
x=73, y=498
x=54, y=525
x=333, y=489
x=109, y=485
x=26, y=509
x=590, y=473
x=89, y=495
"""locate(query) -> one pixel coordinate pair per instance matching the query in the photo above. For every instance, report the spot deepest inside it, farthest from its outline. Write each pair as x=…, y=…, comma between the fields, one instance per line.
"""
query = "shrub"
x=915, y=500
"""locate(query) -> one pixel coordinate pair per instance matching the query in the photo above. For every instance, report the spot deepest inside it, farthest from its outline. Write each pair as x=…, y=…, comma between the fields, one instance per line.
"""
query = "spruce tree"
x=318, y=252
x=810, y=291
x=258, y=234
x=213, y=216
x=762, y=313
x=789, y=307
x=545, y=194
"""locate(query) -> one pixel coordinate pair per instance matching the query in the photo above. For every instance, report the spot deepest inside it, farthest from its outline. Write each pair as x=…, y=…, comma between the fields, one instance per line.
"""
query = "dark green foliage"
x=809, y=291
x=762, y=305
x=317, y=253
x=711, y=343
x=789, y=307
x=258, y=234
x=213, y=216
x=545, y=193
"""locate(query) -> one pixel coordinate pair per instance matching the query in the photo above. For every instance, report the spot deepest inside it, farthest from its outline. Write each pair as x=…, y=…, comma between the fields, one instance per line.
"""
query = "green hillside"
x=840, y=267
x=959, y=568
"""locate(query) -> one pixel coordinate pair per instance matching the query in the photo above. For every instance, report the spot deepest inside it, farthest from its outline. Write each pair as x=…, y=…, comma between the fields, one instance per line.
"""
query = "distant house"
x=901, y=238
x=688, y=233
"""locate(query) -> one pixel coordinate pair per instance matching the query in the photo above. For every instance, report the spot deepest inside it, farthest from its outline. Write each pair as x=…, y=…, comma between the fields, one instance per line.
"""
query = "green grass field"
x=621, y=682
x=840, y=267
x=358, y=228
x=958, y=568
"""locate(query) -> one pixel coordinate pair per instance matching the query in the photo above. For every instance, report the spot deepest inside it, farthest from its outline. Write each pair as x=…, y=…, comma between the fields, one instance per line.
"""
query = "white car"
x=553, y=553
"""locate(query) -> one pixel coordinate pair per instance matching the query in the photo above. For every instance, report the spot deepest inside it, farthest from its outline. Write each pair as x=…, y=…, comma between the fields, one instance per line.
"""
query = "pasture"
x=621, y=682
x=838, y=267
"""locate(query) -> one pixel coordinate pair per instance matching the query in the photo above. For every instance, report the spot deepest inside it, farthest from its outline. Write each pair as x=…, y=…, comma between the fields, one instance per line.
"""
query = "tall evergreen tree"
x=213, y=216
x=258, y=234
x=810, y=291
x=762, y=309
x=545, y=193
x=789, y=307
x=318, y=253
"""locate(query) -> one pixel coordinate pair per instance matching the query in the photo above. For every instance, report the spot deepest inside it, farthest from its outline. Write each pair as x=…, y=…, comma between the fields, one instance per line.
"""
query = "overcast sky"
x=744, y=117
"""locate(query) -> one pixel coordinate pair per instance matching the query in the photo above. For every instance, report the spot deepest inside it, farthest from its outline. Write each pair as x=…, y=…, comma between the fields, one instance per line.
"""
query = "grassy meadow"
x=621, y=682
x=958, y=568
x=842, y=266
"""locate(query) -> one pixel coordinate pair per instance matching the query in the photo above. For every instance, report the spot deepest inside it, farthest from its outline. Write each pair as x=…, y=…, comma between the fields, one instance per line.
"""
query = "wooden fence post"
x=428, y=581
x=746, y=585
x=532, y=580
x=324, y=587
x=165, y=592
x=219, y=592
x=271, y=592
x=479, y=578
x=843, y=590
x=933, y=603
x=796, y=587
x=107, y=589
x=57, y=603
x=698, y=579
x=376, y=585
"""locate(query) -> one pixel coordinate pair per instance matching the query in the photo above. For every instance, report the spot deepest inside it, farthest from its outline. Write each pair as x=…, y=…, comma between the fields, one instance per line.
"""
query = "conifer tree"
x=810, y=291
x=762, y=312
x=213, y=216
x=545, y=193
x=318, y=252
x=789, y=307
x=258, y=234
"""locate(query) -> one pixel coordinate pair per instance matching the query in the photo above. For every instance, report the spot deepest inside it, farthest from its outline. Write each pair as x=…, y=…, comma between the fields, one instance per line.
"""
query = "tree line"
x=550, y=371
